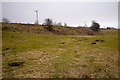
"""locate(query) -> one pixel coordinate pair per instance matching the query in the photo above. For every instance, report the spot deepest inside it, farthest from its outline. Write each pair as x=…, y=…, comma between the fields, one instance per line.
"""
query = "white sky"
x=73, y=13
x=60, y=0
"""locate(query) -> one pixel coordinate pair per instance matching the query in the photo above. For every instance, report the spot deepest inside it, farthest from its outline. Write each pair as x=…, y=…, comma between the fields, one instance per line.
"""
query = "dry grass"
x=53, y=56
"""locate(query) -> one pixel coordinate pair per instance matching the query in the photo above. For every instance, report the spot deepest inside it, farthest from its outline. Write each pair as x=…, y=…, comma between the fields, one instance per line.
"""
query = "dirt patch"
x=99, y=40
x=93, y=43
x=13, y=64
x=62, y=43
x=85, y=76
x=5, y=49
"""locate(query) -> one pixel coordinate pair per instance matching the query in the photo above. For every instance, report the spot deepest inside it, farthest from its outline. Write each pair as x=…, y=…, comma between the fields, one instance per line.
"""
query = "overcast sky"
x=72, y=13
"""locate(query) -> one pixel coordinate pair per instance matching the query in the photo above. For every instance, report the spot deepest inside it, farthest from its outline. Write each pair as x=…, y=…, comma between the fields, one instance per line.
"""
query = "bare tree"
x=5, y=20
x=59, y=24
x=49, y=23
x=54, y=24
x=65, y=24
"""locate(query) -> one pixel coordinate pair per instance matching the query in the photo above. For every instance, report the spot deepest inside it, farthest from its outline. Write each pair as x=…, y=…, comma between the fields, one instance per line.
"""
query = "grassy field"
x=60, y=56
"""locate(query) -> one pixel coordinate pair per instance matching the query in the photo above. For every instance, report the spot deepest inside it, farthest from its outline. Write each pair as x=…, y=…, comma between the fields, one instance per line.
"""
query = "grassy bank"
x=40, y=29
x=63, y=56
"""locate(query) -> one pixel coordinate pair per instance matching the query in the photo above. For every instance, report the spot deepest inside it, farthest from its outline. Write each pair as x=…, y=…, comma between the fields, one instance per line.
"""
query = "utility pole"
x=36, y=22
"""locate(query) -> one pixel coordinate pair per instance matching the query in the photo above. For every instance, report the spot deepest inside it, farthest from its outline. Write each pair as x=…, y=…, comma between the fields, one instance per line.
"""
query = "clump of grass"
x=83, y=65
x=90, y=59
x=98, y=68
x=77, y=55
x=33, y=59
x=56, y=75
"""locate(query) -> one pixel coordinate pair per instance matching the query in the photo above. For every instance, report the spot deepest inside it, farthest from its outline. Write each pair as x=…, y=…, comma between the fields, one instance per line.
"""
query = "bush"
x=95, y=26
x=48, y=22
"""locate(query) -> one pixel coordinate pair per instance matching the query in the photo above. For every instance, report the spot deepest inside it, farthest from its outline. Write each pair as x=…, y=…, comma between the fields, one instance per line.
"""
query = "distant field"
x=60, y=56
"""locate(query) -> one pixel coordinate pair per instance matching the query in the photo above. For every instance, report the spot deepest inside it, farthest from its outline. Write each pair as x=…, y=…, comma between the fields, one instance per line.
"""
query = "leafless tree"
x=59, y=24
x=5, y=20
x=65, y=24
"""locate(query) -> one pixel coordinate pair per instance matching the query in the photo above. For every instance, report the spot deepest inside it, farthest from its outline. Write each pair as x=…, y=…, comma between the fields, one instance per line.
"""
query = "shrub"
x=95, y=26
x=48, y=22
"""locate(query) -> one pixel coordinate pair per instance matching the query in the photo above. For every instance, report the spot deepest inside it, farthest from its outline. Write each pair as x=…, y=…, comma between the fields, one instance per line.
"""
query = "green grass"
x=46, y=57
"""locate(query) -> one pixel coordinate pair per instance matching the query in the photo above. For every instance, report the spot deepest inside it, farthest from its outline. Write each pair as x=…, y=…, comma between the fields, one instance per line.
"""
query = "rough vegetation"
x=49, y=24
x=29, y=52
x=95, y=26
x=39, y=29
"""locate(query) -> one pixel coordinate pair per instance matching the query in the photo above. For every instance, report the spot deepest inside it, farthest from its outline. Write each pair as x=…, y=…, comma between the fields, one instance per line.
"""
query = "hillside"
x=39, y=29
x=29, y=54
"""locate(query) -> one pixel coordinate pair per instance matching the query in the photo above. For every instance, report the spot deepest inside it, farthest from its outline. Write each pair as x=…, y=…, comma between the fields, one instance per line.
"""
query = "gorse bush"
x=95, y=26
x=49, y=24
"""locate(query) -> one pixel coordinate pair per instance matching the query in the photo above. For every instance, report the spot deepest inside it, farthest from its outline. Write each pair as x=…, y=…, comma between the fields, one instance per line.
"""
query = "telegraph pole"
x=36, y=17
